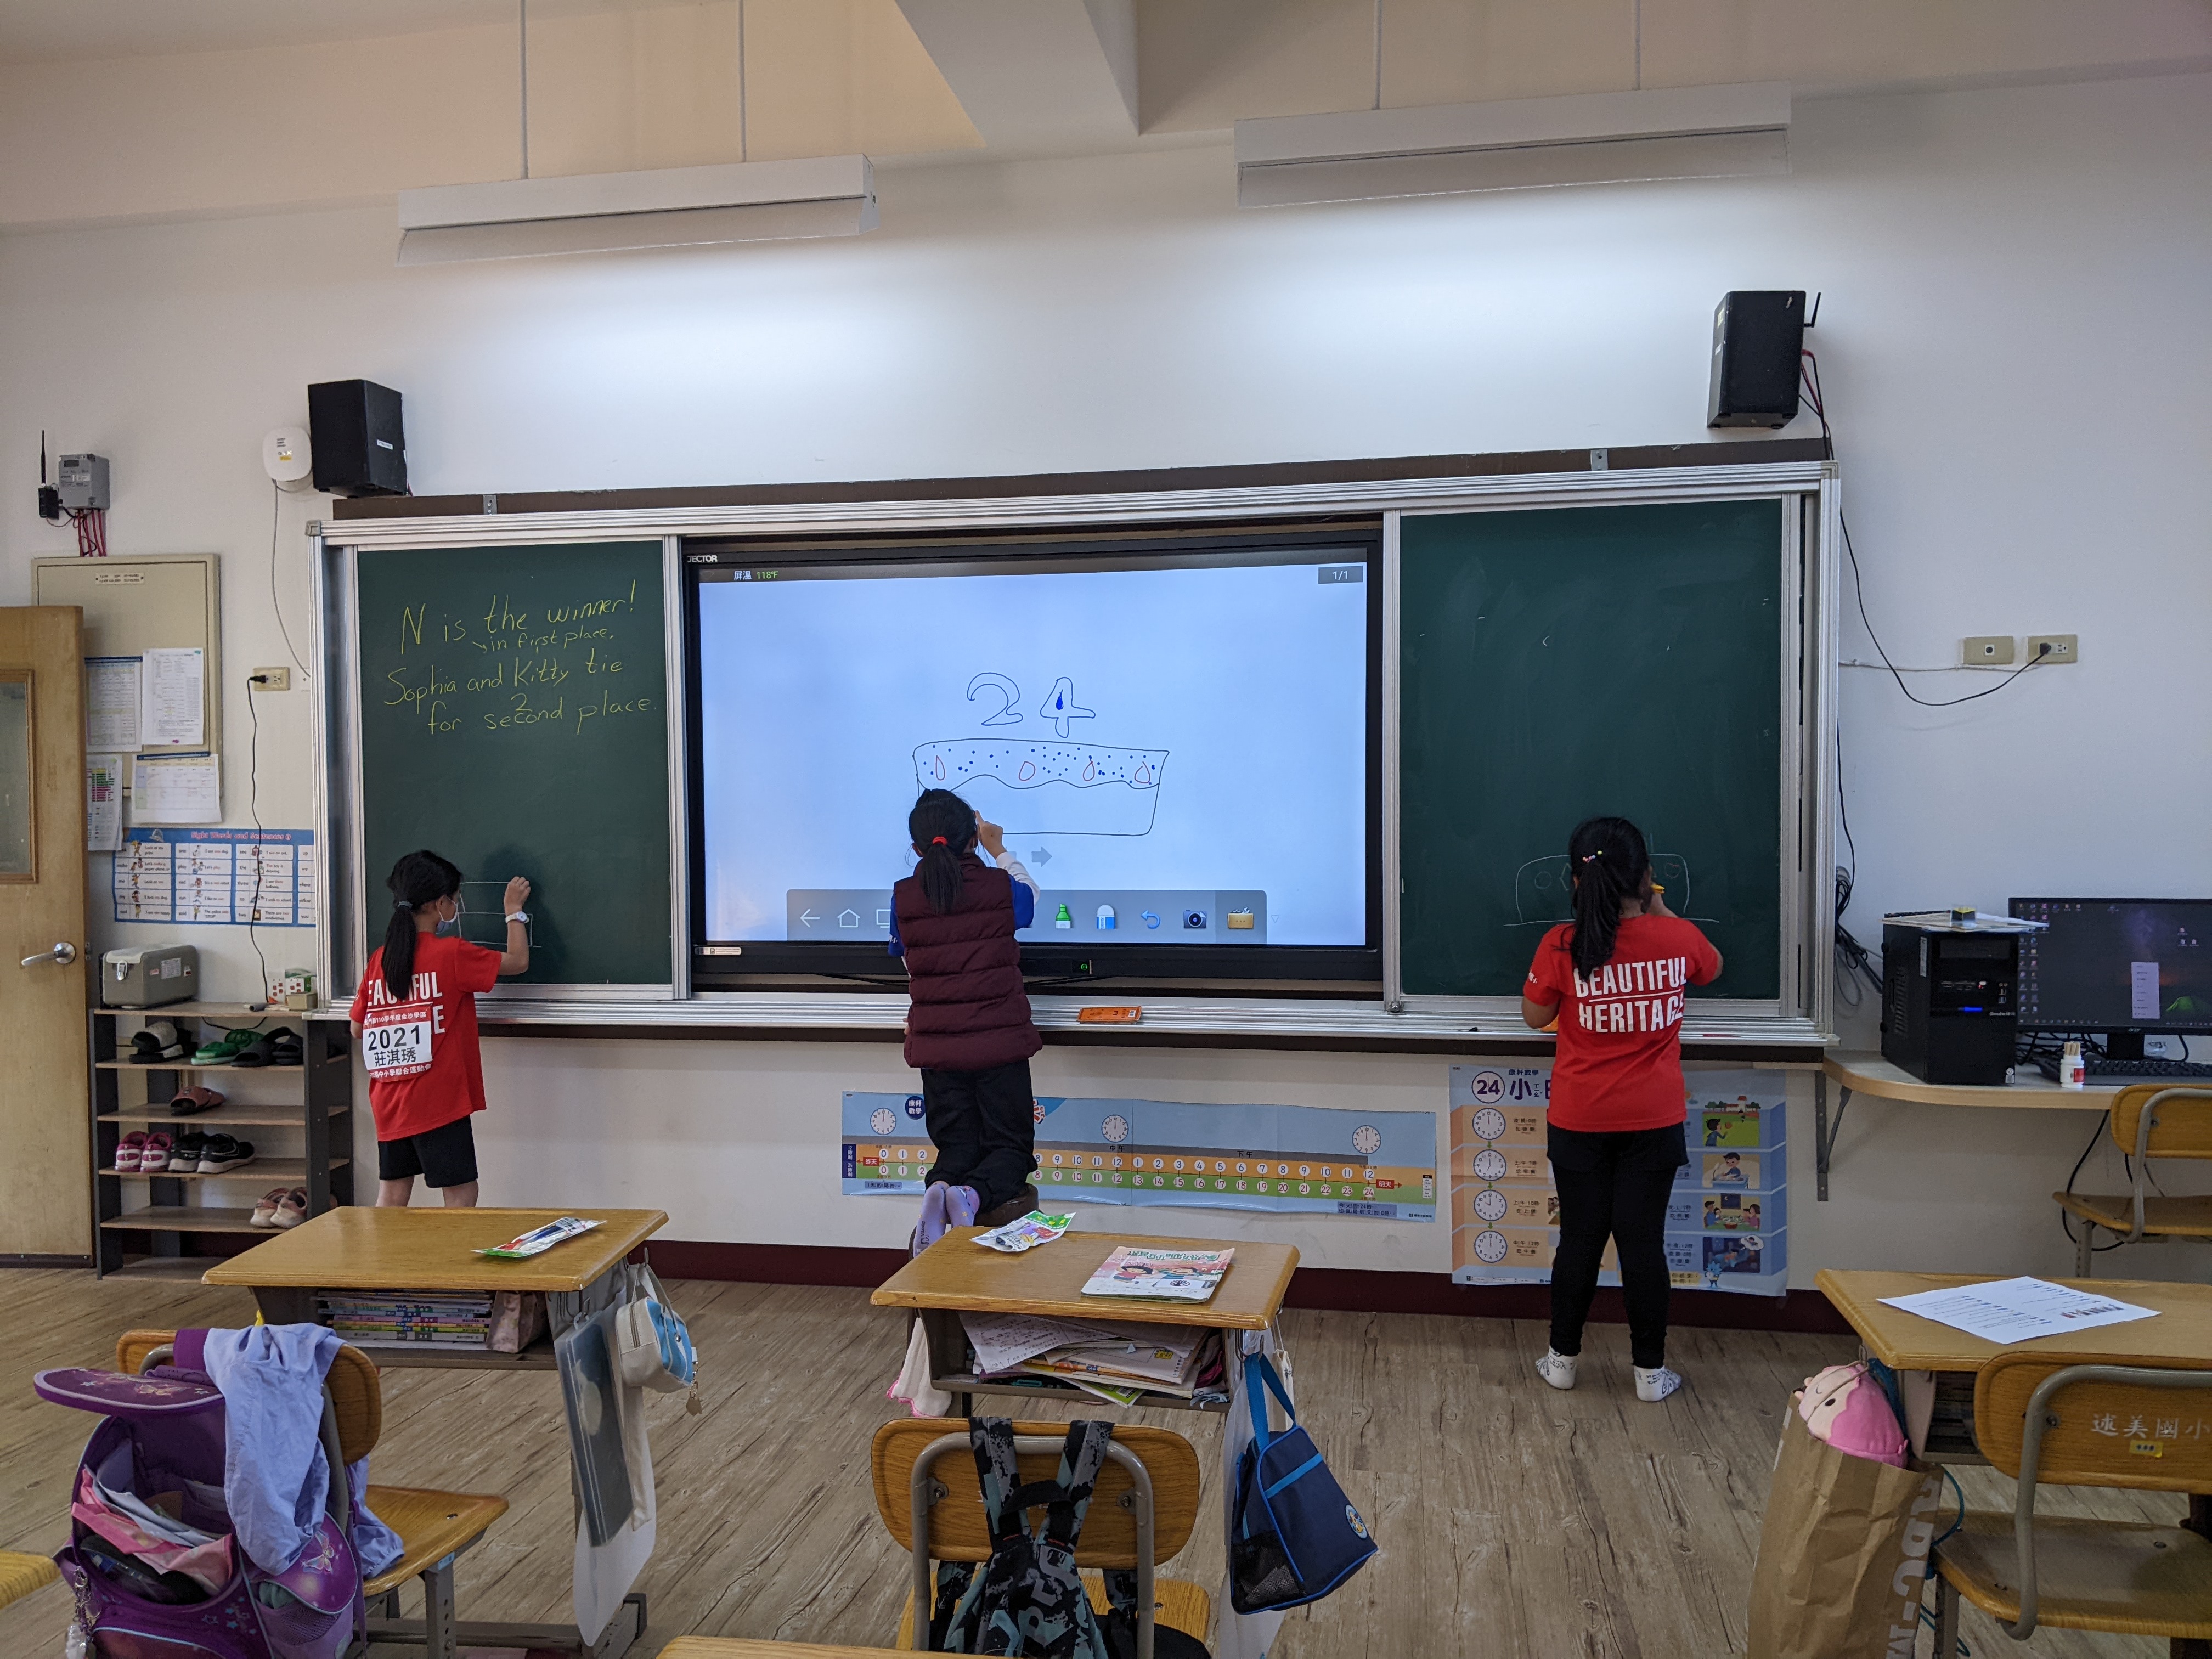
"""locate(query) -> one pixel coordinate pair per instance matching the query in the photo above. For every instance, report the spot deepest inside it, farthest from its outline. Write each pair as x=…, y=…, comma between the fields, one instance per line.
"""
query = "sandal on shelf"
x=285, y=1047
x=129, y=1150
x=225, y=1048
x=158, y=1042
x=195, y=1099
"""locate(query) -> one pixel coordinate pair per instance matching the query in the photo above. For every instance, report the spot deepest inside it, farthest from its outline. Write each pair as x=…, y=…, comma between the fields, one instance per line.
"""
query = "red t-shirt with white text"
x=448, y=973
x=1620, y=1061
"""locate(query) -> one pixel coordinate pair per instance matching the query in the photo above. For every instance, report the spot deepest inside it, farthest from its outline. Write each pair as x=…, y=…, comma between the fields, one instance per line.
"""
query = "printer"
x=150, y=977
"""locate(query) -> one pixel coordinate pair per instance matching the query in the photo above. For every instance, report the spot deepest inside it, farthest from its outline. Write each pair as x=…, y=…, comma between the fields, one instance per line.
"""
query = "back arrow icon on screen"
x=807, y=918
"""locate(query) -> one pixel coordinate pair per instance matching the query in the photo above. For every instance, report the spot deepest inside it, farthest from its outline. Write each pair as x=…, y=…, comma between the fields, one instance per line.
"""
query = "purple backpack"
x=160, y=1442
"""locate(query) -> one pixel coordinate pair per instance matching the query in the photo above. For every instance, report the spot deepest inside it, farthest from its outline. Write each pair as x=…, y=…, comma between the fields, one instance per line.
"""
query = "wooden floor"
x=1513, y=1520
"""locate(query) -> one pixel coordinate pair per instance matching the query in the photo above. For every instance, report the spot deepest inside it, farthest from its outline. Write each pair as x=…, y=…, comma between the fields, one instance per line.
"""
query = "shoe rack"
x=298, y=1117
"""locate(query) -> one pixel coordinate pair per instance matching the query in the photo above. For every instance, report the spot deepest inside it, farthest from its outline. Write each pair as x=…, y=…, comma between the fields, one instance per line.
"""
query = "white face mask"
x=452, y=929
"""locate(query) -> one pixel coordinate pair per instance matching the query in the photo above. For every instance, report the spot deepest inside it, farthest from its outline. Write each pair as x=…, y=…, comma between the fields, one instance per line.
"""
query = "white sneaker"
x=1556, y=1369
x=1656, y=1384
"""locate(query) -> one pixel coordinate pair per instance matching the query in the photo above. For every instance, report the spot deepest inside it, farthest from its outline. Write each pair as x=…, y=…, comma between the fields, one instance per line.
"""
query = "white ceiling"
x=56, y=31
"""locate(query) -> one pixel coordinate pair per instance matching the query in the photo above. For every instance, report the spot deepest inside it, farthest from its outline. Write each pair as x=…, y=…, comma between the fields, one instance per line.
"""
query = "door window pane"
x=16, y=802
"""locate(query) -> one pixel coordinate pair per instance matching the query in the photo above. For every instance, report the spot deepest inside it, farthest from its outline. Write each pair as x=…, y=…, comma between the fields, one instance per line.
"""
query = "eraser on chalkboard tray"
x=1125, y=1015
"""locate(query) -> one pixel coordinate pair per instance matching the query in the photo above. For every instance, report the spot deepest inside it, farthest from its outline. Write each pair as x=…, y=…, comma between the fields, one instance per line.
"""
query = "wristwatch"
x=522, y=916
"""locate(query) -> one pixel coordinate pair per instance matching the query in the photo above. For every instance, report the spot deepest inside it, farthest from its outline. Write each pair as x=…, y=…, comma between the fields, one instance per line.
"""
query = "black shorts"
x=444, y=1156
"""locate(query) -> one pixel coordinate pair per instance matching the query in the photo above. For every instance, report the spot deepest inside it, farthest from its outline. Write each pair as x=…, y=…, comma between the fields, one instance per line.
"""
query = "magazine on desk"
x=1160, y=1275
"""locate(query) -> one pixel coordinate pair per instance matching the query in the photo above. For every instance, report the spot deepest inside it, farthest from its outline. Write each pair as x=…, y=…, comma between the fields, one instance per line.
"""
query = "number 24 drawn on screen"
x=1047, y=785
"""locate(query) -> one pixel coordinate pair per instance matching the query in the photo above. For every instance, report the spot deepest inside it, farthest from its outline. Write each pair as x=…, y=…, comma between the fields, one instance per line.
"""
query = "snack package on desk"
x=541, y=1239
x=1032, y=1230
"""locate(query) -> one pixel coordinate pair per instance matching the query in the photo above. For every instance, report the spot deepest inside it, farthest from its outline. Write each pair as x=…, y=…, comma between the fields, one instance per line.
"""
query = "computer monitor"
x=2116, y=965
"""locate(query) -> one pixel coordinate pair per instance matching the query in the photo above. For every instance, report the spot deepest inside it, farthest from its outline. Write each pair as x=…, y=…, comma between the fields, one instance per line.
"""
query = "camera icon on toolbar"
x=1193, y=918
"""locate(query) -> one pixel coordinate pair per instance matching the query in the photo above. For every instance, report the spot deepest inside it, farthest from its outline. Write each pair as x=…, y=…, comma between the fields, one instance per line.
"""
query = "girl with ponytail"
x=969, y=1031
x=415, y=1017
x=1614, y=980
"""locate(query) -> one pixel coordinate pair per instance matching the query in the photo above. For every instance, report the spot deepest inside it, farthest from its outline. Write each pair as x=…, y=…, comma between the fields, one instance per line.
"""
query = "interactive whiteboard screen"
x=1177, y=750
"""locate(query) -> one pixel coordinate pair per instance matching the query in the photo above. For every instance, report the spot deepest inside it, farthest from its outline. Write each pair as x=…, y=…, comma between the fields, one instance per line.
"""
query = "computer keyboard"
x=2145, y=1070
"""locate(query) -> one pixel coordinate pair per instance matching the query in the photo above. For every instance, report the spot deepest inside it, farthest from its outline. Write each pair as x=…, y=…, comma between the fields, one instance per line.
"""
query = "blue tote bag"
x=1297, y=1537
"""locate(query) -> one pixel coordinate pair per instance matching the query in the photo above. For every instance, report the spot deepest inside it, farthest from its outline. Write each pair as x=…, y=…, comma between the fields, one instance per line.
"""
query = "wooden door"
x=46, y=1168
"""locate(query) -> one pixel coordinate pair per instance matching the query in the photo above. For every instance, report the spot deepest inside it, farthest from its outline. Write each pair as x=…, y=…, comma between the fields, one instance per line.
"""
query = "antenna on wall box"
x=50, y=498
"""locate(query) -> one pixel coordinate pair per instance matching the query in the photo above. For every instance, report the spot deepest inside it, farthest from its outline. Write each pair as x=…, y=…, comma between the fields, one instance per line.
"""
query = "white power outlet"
x=272, y=679
x=1994, y=649
x=2054, y=648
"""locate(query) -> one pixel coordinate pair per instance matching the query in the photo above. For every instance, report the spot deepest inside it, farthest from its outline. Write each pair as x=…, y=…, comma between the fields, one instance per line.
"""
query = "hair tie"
x=940, y=841
x=1600, y=853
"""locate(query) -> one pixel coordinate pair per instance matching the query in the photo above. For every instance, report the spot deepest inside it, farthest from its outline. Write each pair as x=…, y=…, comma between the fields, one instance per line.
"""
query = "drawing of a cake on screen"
x=1048, y=786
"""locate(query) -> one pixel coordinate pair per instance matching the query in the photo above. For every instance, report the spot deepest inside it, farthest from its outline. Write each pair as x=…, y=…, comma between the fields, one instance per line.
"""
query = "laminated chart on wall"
x=1096, y=1151
x=230, y=877
x=1726, y=1225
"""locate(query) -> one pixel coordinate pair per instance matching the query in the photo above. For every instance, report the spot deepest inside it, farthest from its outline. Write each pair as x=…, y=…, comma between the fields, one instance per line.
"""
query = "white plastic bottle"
x=2073, y=1070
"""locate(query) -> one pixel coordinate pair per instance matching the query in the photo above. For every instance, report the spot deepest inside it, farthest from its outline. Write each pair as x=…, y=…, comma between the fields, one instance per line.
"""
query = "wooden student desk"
x=1907, y=1342
x=953, y=1276
x=355, y=1248
x=1863, y=1072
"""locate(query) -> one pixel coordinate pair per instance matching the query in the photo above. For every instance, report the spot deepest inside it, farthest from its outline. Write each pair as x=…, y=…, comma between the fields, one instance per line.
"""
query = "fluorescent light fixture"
x=1516, y=144
x=670, y=207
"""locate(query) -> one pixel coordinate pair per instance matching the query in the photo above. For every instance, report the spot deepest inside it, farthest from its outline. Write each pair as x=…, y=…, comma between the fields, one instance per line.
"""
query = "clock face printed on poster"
x=1365, y=1139
x=1490, y=1204
x=883, y=1120
x=1489, y=1246
x=1489, y=1123
x=1116, y=1128
x=1490, y=1164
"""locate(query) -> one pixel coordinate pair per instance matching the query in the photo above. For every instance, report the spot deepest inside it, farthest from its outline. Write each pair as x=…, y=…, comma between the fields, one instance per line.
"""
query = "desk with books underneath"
x=955, y=1277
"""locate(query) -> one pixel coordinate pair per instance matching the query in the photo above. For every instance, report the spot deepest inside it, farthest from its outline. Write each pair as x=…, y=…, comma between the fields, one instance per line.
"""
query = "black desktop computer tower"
x=1950, y=1002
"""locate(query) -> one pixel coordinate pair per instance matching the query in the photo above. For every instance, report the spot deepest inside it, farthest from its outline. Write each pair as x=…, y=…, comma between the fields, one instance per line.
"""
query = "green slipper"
x=225, y=1048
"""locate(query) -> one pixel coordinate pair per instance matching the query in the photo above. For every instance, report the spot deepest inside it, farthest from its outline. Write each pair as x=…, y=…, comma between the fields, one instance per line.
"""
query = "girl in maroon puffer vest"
x=969, y=1031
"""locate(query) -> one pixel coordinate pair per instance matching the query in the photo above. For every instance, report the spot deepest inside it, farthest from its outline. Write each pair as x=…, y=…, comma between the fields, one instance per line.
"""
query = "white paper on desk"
x=2018, y=1310
x=110, y=704
x=171, y=706
x=185, y=790
x=103, y=803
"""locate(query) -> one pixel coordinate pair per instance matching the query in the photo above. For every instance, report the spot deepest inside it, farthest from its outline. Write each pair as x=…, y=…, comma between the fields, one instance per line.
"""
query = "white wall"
x=2017, y=354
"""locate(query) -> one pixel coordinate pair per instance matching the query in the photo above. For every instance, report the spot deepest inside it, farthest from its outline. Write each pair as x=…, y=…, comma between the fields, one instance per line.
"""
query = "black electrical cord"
x=1853, y=958
x=2066, y=1225
x=276, y=505
x=1814, y=396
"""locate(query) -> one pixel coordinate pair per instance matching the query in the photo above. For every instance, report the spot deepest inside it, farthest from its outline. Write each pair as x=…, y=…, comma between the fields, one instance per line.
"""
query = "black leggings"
x=1616, y=1185
x=984, y=1125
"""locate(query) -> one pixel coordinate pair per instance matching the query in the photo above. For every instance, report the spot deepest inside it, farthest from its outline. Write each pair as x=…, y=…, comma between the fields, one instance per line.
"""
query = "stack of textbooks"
x=408, y=1319
x=1108, y=1360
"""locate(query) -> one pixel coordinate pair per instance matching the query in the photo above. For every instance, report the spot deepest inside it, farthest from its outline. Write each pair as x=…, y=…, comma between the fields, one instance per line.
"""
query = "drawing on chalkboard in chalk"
x=1044, y=786
x=1544, y=894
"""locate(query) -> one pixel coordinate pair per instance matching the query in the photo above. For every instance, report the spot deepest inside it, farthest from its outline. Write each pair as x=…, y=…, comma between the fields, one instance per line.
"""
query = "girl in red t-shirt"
x=1615, y=980
x=415, y=1017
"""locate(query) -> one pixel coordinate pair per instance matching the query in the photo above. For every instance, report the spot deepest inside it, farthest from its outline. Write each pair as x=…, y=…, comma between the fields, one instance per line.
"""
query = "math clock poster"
x=1727, y=1226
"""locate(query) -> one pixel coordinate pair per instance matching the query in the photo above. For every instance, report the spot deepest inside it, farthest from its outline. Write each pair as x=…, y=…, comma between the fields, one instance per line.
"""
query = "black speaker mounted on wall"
x=1758, y=334
x=360, y=448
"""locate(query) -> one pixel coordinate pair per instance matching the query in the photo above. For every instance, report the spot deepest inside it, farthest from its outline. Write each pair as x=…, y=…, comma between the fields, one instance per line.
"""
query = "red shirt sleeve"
x=1546, y=981
x=1705, y=960
x=479, y=967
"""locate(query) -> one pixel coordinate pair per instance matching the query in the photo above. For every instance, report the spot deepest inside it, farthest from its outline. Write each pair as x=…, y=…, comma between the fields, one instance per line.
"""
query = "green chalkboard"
x=515, y=719
x=1558, y=664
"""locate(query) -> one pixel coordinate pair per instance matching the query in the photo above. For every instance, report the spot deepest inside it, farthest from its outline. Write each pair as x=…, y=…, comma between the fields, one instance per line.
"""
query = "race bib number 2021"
x=396, y=1042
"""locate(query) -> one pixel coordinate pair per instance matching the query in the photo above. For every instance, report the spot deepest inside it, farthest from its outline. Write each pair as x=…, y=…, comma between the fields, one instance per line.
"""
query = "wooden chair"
x=733, y=1647
x=1141, y=1513
x=2148, y=1120
x=434, y=1527
x=20, y=1574
x=2065, y=1420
